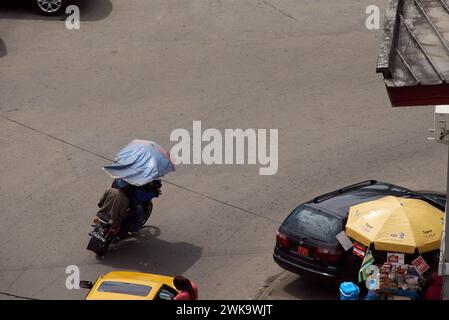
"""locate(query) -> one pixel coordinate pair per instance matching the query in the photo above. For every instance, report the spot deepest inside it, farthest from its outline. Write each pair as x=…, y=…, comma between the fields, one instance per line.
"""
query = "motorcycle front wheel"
x=147, y=214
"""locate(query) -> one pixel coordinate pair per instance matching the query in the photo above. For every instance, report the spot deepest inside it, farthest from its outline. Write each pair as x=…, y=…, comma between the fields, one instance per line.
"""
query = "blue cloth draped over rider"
x=140, y=162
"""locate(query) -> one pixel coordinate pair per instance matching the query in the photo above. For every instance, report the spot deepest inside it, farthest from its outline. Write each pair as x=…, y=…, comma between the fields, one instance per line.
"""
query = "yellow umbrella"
x=396, y=224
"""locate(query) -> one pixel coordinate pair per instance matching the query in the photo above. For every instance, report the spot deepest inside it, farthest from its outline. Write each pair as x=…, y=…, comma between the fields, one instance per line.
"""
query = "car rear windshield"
x=309, y=223
x=125, y=288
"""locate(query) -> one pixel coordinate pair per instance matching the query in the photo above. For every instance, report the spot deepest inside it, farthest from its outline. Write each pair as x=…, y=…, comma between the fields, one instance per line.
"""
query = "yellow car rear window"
x=125, y=288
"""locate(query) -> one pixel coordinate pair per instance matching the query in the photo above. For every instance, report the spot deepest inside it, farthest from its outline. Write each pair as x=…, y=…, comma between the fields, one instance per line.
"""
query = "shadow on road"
x=147, y=253
x=311, y=289
x=3, y=50
x=90, y=10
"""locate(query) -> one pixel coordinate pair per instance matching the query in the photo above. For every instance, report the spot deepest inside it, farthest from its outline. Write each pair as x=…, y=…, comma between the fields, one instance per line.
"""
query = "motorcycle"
x=103, y=234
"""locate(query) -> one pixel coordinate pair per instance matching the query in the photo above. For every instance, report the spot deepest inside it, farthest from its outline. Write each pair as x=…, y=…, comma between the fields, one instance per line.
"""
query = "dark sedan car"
x=306, y=242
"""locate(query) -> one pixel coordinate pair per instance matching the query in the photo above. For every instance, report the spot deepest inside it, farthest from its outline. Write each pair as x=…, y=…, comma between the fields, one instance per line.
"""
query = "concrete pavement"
x=143, y=68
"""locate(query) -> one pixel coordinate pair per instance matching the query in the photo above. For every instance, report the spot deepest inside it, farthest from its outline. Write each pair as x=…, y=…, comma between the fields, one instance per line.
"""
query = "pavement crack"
x=270, y=284
x=166, y=181
x=222, y=202
x=46, y=286
x=279, y=10
x=16, y=296
x=15, y=280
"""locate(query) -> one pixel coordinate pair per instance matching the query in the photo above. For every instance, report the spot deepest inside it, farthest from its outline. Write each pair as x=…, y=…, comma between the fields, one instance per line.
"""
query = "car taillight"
x=281, y=239
x=328, y=255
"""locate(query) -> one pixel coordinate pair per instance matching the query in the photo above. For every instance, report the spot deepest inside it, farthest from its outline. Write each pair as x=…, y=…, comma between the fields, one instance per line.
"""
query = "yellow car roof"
x=154, y=281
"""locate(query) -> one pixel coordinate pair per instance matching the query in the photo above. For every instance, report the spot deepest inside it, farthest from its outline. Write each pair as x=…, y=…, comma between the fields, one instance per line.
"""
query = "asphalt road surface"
x=140, y=69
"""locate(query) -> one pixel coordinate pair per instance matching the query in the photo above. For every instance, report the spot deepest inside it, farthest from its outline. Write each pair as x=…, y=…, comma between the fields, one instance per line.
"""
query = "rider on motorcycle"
x=114, y=206
x=138, y=205
x=125, y=204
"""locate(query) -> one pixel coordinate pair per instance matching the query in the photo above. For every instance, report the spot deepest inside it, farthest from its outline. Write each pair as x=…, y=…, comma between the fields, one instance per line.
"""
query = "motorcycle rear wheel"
x=103, y=250
x=97, y=247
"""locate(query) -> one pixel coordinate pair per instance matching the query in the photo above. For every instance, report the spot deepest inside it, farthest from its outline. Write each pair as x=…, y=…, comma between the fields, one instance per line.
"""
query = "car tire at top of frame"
x=50, y=7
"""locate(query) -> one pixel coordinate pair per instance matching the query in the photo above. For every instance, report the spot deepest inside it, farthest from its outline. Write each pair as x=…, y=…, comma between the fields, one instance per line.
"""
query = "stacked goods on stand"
x=399, y=280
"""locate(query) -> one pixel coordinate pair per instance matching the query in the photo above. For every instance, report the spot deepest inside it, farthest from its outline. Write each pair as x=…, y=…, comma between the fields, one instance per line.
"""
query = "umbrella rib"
x=410, y=227
x=413, y=235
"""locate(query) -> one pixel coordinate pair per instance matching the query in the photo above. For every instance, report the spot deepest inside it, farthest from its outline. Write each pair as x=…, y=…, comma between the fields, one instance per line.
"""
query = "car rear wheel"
x=50, y=7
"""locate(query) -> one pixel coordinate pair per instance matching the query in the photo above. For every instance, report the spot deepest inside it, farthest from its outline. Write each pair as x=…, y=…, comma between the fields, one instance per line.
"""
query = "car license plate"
x=303, y=251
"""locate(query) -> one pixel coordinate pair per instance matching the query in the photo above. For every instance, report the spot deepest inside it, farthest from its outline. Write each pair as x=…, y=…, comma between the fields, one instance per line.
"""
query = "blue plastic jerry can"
x=349, y=291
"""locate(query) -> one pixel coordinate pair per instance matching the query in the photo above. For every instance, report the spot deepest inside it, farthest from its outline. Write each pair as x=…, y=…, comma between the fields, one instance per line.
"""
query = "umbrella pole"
x=441, y=135
x=444, y=252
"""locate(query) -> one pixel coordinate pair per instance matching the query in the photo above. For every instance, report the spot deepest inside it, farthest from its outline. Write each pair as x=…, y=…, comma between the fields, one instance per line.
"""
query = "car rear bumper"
x=303, y=268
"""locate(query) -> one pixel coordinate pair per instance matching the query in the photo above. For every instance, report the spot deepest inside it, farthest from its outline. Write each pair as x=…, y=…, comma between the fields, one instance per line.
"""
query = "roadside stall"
x=393, y=237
